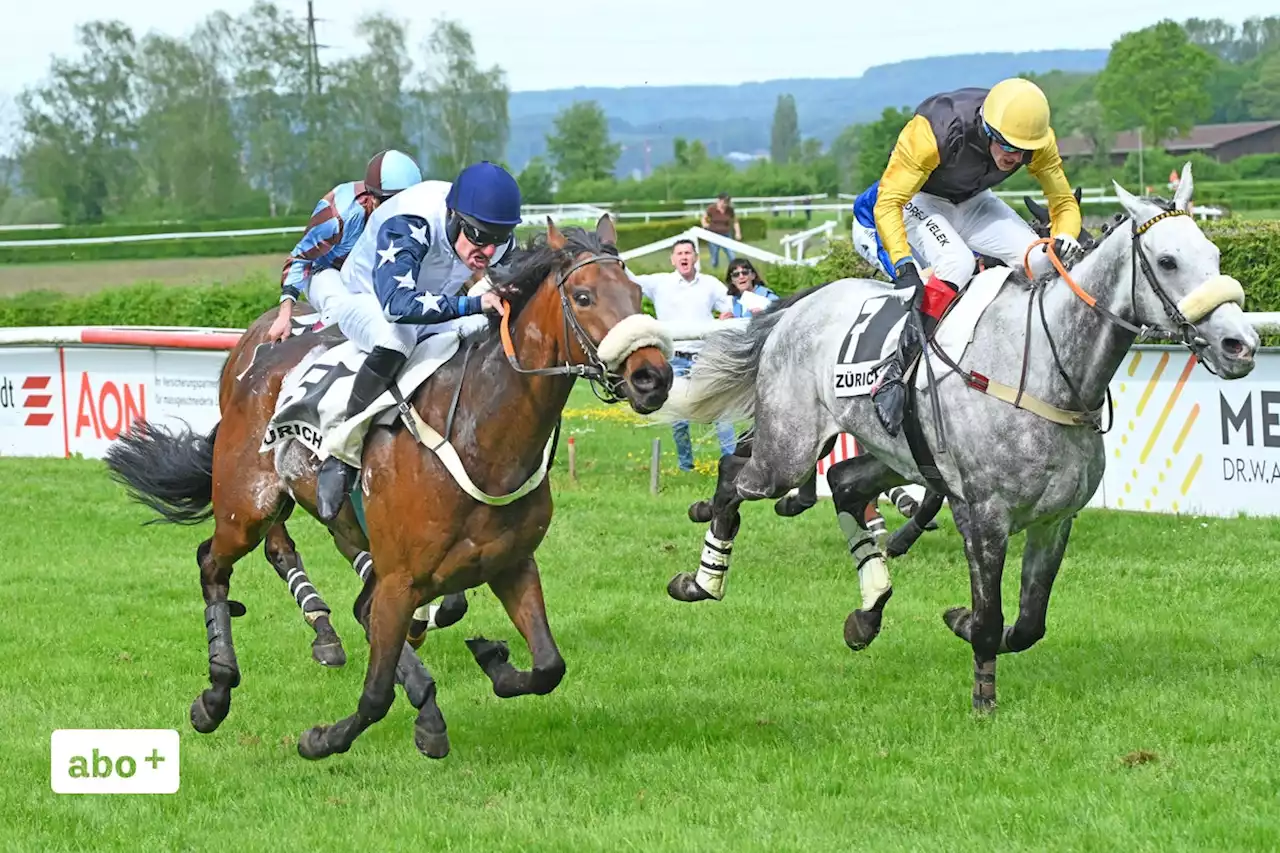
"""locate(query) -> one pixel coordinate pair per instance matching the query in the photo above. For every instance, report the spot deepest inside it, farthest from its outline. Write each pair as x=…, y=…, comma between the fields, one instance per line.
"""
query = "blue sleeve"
x=401, y=245
x=320, y=237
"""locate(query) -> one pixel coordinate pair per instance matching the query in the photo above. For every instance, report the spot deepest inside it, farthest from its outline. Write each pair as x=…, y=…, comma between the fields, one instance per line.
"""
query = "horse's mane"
x=530, y=265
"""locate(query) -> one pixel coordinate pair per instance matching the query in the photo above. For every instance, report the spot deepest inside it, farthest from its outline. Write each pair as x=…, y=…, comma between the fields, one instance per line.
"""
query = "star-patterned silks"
x=402, y=243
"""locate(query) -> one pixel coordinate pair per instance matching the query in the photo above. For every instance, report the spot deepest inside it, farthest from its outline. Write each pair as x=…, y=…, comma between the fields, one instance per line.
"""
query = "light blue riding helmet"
x=389, y=172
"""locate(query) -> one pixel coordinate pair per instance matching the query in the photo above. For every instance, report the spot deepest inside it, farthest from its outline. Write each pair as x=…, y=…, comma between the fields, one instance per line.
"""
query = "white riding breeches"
x=944, y=235
x=358, y=315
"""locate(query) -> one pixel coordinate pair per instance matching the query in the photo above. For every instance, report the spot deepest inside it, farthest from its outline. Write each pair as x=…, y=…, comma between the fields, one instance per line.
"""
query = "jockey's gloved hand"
x=909, y=276
x=1066, y=247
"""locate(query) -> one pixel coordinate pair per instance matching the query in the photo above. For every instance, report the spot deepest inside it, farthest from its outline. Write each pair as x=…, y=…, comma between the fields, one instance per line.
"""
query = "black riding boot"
x=890, y=396
x=337, y=478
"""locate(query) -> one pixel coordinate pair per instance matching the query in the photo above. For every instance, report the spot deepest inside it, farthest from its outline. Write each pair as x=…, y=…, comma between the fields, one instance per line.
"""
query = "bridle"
x=604, y=380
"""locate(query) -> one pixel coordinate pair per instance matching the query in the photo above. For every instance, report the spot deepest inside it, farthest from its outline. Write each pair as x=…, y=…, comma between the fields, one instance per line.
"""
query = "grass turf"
x=1145, y=720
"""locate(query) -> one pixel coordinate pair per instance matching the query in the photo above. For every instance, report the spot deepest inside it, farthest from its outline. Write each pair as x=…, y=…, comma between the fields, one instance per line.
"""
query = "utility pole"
x=313, y=52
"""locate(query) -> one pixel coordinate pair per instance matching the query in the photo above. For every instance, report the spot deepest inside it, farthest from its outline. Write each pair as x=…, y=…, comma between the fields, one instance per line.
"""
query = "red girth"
x=937, y=296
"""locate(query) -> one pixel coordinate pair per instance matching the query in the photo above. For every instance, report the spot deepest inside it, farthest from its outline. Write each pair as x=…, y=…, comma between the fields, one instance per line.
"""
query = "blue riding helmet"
x=391, y=171
x=486, y=196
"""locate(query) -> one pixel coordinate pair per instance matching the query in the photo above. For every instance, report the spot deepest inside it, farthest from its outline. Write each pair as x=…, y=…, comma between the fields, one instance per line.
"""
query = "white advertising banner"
x=1183, y=441
x=61, y=401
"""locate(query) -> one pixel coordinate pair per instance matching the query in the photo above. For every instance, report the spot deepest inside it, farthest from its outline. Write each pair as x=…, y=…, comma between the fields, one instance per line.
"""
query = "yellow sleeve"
x=1064, y=212
x=914, y=157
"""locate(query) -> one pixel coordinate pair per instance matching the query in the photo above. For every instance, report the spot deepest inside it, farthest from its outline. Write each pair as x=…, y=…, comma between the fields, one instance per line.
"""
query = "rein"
x=604, y=381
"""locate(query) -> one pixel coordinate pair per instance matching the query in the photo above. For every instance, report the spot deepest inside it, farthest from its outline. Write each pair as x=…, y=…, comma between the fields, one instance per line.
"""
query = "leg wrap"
x=873, y=576
x=713, y=565
x=222, y=655
x=307, y=596
x=938, y=294
x=363, y=565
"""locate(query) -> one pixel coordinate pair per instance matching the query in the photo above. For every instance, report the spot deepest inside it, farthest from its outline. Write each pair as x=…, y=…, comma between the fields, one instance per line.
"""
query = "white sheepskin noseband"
x=633, y=333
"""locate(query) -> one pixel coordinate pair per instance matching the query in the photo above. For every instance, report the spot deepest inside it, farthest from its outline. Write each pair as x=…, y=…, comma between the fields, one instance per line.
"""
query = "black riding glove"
x=909, y=276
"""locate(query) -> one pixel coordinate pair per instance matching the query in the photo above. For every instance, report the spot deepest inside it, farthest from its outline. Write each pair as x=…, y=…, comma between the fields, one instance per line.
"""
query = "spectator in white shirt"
x=685, y=295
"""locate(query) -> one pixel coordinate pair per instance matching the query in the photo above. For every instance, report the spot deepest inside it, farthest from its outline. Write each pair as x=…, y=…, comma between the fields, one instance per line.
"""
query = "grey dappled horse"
x=1005, y=469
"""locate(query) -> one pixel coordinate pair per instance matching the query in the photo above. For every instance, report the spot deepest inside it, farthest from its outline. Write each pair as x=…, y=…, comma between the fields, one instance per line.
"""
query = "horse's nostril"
x=645, y=379
x=1233, y=346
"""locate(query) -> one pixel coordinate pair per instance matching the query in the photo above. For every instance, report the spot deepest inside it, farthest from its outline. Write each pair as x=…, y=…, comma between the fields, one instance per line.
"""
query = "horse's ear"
x=1182, y=198
x=554, y=238
x=1129, y=202
x=1041, y=215
x=605, y=230
x=1077, y=194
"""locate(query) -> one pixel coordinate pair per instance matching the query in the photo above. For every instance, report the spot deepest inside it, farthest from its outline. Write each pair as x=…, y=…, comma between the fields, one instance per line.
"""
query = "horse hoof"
x=700, y=512
x=683, y=588
x=488, y=652
x=311, y=745
x=957, y=619
x=451, y=611
x=329, y=654
x=984, y=706
x=204, y=720
x=860, y=628
x=432, y=744
x=791, y=506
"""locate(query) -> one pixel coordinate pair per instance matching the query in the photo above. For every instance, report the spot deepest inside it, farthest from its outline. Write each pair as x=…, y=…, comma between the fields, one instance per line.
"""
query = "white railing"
x=795, y=242
x=697, y=232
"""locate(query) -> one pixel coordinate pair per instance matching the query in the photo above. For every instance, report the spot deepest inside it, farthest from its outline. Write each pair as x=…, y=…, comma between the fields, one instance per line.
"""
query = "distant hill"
x=738, y=118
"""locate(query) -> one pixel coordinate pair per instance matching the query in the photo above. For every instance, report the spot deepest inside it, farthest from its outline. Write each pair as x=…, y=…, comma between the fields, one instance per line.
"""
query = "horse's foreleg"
x=216, y=556
x=283, y=556
x=986, y=541
x=854, y=484
x=520, y=591
x=708, y=581
x=700, y=512
x=1040, y=561
x=392, y=601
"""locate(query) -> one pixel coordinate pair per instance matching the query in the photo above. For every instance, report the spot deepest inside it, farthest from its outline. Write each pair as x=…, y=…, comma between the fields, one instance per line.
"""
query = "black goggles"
x=483, y=234
x=1001, y=141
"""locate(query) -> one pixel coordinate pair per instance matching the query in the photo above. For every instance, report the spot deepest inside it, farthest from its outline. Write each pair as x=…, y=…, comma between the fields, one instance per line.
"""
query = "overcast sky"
x=548, y=44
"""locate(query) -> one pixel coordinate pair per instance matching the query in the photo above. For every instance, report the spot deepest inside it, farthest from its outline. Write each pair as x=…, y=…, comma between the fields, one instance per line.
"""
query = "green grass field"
x=1145, y=720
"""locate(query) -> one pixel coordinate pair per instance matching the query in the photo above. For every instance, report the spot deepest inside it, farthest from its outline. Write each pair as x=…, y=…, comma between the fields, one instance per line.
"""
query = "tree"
x=80, y=126
x=1262, y=94
x=876, y=141
x=579, y=148
x=464, y=107
x=1156, y=79
x=784, y=140
x=537, y=183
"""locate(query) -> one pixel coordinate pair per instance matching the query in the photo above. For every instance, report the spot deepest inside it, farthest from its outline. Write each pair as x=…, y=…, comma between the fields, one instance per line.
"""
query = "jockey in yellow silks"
x=934, y=202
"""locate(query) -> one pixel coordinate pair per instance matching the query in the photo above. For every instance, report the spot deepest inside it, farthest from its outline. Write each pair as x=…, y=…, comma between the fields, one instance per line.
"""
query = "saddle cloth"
x=313, y=396
x=874, y=335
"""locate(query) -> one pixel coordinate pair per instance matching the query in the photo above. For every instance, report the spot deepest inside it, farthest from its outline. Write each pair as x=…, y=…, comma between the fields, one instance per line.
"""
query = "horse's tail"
x=722, y=384
x=170, y=472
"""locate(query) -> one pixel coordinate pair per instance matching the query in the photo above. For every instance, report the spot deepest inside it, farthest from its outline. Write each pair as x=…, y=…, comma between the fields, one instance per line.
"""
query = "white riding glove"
x=1067, y=248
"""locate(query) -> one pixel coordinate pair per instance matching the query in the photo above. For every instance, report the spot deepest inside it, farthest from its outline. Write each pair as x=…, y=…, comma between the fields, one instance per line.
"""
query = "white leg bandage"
x=713, y=565
x=427, y=613
x=873, y=575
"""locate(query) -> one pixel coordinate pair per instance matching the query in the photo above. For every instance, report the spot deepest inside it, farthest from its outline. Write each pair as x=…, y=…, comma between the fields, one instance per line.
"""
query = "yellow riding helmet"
x=1018, y=111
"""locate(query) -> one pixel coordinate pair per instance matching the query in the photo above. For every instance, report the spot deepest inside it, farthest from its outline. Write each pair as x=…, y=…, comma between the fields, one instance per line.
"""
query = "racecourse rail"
x=1182, y=440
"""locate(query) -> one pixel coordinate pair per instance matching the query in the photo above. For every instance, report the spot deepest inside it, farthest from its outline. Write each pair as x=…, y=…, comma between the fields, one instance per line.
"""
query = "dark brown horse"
x=570, y=311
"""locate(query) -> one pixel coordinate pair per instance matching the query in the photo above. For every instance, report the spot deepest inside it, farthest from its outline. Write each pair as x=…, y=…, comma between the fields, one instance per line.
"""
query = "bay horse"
x=1021, y=409
x=569, y=311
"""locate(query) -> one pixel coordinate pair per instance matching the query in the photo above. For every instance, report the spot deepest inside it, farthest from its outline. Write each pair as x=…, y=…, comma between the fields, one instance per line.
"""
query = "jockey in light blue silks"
x=416, y=253
x=336, y=223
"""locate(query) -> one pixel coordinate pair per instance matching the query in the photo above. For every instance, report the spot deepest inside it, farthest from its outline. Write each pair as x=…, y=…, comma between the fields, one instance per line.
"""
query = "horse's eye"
x=582, y=297
x=1167, y=263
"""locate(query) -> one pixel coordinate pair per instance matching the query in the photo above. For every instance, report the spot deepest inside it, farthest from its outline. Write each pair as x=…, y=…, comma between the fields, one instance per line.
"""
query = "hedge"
x=630, y=235
x=1250, y=252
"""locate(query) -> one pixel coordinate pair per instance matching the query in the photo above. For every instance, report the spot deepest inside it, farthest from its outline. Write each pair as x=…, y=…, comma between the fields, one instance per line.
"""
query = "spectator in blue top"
x=748, y=291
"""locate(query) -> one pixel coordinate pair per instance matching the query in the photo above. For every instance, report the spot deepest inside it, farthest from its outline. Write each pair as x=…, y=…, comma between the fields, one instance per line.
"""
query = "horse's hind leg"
x=231, y=540
x=436, y=616
x=708, y=581
x=854, y=484
x=807, y=496
x=700, y=512
x=520, y=591
x=283, y=556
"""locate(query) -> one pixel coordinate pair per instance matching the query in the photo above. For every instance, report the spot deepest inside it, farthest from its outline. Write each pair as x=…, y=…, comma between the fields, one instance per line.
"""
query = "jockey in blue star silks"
x=336, y=223
x=416, y=253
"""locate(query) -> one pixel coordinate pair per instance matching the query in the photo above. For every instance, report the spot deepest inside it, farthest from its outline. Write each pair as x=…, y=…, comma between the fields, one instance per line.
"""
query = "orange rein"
x=508, y=347
x=1057, y=264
